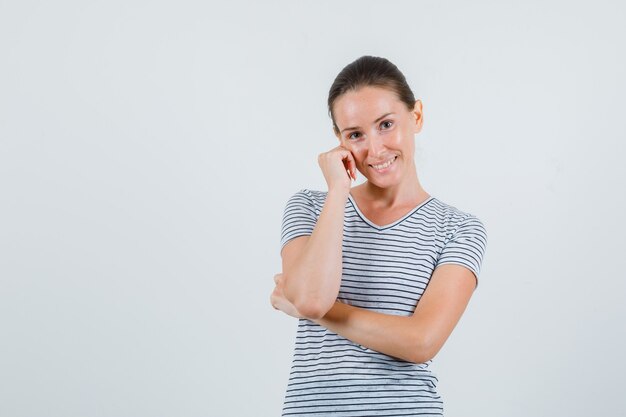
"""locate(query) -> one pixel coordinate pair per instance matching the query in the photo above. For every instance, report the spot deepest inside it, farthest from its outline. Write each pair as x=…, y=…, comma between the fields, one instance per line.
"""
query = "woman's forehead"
x=364, y=104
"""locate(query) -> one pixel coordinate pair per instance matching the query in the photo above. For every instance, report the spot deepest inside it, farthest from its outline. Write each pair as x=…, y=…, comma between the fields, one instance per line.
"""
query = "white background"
x=147, y=150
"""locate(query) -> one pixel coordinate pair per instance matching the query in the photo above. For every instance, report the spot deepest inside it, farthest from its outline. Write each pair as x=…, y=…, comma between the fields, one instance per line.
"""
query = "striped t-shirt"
x=385, y=269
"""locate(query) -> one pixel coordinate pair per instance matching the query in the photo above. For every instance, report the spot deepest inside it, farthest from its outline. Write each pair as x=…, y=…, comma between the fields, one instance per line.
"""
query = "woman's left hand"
x=278, y=300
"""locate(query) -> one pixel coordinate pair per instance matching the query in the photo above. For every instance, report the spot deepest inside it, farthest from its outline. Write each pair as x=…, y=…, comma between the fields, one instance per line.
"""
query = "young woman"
x=378, y=274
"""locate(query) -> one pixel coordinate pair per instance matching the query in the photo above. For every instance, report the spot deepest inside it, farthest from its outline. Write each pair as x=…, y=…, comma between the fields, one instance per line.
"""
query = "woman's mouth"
x=382, y=167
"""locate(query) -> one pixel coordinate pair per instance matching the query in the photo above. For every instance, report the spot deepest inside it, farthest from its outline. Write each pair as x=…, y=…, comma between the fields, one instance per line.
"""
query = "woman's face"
x=380, y=131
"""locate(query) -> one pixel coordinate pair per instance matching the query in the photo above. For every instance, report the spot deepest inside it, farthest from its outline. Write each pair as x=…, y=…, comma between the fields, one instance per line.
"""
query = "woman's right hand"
x=338, y=167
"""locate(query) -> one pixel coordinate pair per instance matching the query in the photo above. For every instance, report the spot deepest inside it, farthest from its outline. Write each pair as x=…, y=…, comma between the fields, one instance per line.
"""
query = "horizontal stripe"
x=385, y=269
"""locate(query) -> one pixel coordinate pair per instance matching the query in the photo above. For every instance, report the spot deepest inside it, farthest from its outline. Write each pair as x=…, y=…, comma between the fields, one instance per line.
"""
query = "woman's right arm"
x=312, y=265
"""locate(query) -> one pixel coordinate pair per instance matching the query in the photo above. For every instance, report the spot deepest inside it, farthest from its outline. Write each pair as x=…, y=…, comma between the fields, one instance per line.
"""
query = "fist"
x=279, y=301
x=338, y=167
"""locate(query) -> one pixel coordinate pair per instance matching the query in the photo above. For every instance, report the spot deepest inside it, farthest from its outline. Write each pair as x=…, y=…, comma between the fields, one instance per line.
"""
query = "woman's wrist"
x=339, y=192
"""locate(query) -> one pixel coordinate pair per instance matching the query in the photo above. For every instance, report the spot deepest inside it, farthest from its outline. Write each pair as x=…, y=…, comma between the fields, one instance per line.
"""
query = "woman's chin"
x=381, y=183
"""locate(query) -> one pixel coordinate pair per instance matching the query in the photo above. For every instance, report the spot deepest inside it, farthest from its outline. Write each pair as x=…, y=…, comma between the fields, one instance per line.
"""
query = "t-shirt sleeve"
x=299, y=218
x=466, y=245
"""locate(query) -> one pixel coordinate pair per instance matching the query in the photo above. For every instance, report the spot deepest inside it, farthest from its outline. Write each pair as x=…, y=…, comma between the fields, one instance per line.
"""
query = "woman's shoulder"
x=313, y=193
x=450, y=214
x=446, y=207
x=315, y=198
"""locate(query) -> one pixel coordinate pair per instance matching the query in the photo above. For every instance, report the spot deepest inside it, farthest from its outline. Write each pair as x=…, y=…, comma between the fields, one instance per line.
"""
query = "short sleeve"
x=466, y=245
x=299, y=218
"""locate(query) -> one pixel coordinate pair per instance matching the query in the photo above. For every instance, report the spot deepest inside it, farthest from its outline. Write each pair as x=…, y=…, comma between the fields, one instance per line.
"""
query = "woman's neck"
x=407, y=193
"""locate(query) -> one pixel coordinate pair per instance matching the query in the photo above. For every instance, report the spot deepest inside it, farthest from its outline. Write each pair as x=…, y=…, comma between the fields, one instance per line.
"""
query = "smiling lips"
x=384, y=165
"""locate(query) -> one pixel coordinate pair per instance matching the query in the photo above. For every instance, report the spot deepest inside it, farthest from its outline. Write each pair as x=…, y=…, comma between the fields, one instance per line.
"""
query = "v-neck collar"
x=377, y=227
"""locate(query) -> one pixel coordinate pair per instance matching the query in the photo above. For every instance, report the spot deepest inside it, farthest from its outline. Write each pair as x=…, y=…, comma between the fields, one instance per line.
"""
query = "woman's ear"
x=418, y=116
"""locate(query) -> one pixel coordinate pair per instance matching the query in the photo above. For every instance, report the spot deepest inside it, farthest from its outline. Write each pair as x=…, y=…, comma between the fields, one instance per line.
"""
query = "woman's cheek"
x=358, y=153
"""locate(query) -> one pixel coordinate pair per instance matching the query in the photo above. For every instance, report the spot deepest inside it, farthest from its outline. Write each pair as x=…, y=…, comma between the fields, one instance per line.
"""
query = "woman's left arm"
x=416, y=338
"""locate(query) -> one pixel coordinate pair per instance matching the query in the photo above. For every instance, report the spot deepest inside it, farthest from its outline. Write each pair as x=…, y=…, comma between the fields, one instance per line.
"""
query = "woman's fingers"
x=351, y=165
x=272, y=299
x=279, y=302
x=336, y=165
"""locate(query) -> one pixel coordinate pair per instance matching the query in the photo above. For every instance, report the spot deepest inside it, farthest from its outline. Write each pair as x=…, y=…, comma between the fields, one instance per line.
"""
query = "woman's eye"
x=386, y=124
x=351, y=136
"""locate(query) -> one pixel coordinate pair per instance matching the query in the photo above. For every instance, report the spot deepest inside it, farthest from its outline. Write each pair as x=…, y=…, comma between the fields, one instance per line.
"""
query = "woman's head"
x=369, y=71
x=375, y=117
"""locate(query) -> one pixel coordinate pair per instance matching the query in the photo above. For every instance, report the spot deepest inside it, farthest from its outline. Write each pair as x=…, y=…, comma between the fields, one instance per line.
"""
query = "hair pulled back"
x=369, y=71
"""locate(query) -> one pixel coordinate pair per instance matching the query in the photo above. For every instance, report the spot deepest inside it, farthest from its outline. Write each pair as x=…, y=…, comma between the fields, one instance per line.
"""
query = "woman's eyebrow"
x=375, y=121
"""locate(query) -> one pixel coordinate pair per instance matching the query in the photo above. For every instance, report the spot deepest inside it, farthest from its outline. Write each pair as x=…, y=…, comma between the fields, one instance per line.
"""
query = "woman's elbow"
x=308, y=304
x=313, y=309
x=422, y=349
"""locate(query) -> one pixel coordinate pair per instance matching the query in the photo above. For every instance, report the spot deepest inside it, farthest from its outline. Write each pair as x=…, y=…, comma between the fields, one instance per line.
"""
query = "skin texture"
x=308, y=288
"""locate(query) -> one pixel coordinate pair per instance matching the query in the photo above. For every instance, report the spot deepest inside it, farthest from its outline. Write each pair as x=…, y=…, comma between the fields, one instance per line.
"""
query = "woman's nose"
x=375, y=146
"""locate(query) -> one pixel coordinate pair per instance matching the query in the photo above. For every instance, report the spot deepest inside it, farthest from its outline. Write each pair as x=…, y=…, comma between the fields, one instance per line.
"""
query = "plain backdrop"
x=148, y=148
